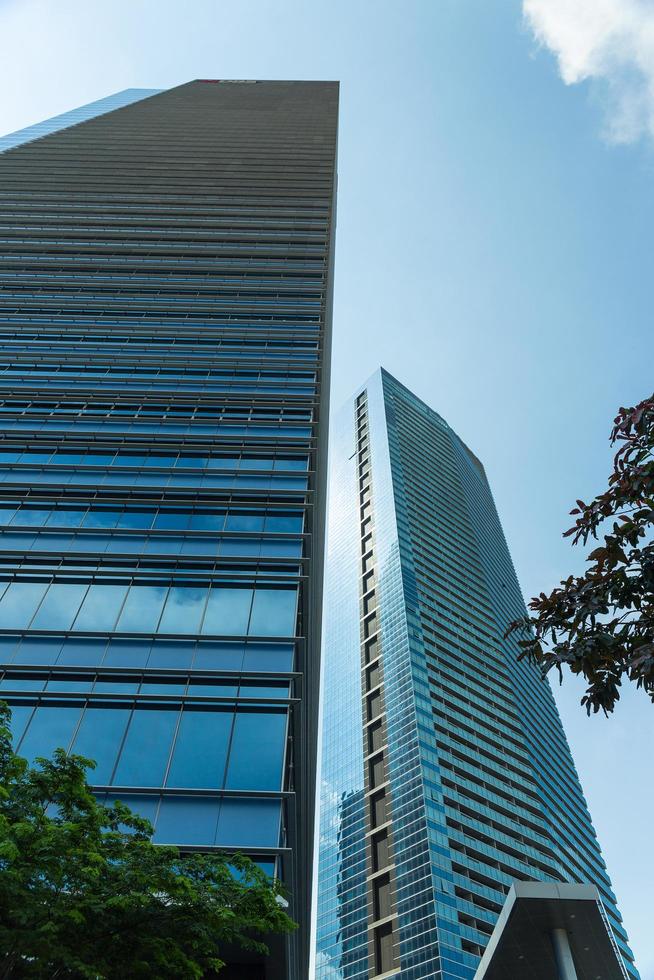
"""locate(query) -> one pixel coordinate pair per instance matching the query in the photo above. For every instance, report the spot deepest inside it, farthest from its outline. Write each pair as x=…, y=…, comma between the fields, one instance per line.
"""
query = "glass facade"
x=164, y=352
x=446, y=774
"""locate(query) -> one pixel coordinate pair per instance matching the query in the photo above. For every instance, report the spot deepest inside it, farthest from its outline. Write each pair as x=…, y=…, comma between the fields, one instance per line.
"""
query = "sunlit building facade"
x=446, y=774
x=164, y=344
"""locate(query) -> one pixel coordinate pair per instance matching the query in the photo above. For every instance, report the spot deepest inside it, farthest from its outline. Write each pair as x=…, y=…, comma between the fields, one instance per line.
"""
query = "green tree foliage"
x=601, y=624
x=84, y=892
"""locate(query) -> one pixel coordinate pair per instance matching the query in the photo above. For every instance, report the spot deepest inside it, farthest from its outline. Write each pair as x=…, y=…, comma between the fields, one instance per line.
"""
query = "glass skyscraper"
x=446, y=774
x=164, y=343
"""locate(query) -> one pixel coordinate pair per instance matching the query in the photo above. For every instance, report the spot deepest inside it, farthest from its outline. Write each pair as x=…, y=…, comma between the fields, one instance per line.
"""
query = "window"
x=19, y=603
x=145, y=753
x=101, y=607
x=228, y=612
x=273, y=612
x=248, y=823
x=187, y=820
x=60, y=605
x=51, y=728
x=257, y=751
x=183, y=611
x=99, y=737
x=142, y=609
x=201, y=749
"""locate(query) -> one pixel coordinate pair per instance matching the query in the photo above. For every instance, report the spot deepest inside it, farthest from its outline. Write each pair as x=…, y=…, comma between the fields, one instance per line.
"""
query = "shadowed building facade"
x=446, y=775
x=164, y=344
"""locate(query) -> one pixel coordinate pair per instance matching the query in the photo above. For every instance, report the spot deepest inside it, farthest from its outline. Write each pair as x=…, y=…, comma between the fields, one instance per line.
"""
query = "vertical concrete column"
x=563, y=953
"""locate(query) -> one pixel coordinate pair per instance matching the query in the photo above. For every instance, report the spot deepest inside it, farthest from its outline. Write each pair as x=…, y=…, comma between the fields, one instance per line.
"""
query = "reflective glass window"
x=244, y=522
x=60, y=605
x=257, y=751
x=136, y=519
x=144, y=755
x=30, y=517
x=187, y=820
x=65, y=518
x=248, y=823
x=201, y=749
x=127, y=653
x=171, y=654
x=51, y=728
x=19, y=603
x=273, y=612
x=183, y=610
x=142, y=608
x=101, y=607
x=20, y=716
x=228, y=611
x=99, y=738
x=101, y=518
x=82, y=652
x=207, y=522
x=38, y=650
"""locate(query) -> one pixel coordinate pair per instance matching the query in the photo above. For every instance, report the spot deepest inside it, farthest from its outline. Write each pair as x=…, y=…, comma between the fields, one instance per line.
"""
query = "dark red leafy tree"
x=601, y=624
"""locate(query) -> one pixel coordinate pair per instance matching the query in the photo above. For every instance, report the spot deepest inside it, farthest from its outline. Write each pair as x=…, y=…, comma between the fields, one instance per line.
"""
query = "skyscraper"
x=446, y=774
x=165, y=336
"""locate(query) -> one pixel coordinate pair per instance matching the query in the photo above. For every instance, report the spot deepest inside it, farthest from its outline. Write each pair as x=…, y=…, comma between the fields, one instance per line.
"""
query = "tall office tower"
x=446, y=774
x=165, y=329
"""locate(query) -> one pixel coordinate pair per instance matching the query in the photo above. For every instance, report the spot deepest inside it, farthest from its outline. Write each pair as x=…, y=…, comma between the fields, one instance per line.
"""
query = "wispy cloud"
x=609, y=43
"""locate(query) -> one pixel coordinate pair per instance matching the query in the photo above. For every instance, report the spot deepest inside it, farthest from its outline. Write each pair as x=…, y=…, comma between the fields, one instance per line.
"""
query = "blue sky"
x=494, y=248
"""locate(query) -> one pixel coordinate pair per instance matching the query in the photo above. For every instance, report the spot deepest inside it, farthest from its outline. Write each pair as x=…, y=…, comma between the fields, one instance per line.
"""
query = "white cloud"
x=609, y=43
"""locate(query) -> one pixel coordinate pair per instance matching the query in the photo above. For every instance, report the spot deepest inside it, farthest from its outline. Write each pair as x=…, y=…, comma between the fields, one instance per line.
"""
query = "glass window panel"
x=99, y=737
x=244, y=522
x=202, y=546
x=207, y=522
x=230, y=547
x=65, y=518
x=213, y=689
x=171, y=654
x=296, y=463
x=201, y=750
x=257, y=751
x=281, y=548
x=171, y=520
x=13, y=682
x=101, y=518
x=60, y=605
x=82, y=652
x=101, y=607
x=167, y=688
x=136, y=518
x=142, y=608
x=51, y=728
x=29, y=517
x=69, y=685
x=284, y=523
x=273, y=612
x=219, y=656
x=116, y=685
x=6, y=514
x=228, y=612
x=184, y=608
x=19, y=603
x=187, y=820
x=268, y=657
x=127, y=653
x=248, y=824
x=145, y=753
x=20, y=716
x=8, y=644
x=143, y=805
